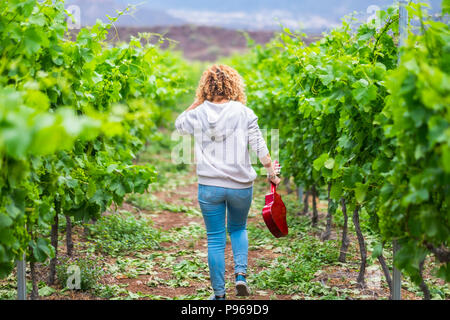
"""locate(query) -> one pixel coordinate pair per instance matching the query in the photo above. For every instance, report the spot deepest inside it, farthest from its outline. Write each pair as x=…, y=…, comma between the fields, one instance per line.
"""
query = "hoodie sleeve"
x=185, y=122
x=255, y=136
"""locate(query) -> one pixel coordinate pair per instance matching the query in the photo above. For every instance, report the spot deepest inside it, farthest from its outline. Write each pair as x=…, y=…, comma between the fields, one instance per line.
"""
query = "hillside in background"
x=205, y=30
x=310, y=15
x=201, y=43
x=206, y=43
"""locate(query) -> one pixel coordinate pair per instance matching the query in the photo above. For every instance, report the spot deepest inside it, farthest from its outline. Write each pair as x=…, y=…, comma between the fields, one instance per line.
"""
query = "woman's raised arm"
x=185, y=123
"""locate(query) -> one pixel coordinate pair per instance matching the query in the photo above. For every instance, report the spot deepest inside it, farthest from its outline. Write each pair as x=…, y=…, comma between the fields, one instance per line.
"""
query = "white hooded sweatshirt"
x=222, y=134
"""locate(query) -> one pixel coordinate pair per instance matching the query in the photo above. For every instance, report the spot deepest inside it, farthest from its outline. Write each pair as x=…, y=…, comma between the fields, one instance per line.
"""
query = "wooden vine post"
x=403, y=35
x=21, y=279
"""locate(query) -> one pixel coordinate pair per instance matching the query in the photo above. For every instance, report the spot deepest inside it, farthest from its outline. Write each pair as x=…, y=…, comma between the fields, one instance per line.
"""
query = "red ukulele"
x=274, y=213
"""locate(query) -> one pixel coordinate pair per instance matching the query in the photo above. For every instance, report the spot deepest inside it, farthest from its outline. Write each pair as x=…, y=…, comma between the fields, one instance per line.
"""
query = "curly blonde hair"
x=221, y=82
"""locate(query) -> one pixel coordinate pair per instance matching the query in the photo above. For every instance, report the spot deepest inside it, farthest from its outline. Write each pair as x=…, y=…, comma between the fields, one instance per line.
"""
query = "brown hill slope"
x=202, y=42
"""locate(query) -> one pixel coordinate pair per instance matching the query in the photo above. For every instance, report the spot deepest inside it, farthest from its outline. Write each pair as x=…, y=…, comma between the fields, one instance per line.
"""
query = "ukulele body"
x=274, y=214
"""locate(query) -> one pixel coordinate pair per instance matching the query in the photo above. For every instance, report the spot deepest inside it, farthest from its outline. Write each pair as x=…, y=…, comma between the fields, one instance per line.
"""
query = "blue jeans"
x=214, y=202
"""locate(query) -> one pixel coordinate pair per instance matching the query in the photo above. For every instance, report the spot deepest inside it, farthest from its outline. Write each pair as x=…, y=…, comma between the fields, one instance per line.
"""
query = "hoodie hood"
x=219, y=120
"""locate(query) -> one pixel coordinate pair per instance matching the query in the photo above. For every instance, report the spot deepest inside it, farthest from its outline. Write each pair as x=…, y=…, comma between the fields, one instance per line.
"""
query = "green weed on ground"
x=90, y=271
x=151, y=203
x=121, y=234
x=301, y=256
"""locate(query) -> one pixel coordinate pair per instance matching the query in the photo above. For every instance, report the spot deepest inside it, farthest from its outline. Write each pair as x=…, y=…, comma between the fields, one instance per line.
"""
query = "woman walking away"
x=223, y=128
